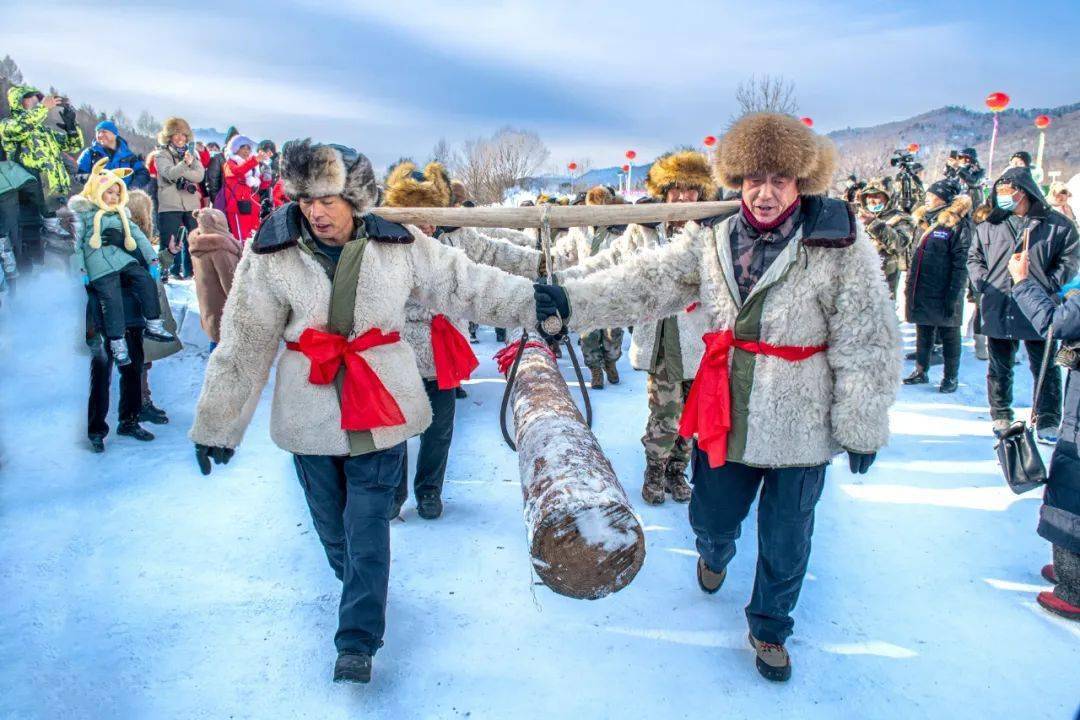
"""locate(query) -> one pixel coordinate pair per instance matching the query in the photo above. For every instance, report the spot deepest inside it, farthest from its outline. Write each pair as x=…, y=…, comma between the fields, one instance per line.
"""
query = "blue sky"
x=593, y=78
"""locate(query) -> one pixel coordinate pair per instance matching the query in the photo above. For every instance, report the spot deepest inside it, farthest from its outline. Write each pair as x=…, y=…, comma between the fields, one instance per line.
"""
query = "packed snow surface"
x=133, y=587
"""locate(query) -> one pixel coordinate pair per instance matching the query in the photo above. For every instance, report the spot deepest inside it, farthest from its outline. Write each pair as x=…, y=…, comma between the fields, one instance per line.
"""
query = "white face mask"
x=875, y=207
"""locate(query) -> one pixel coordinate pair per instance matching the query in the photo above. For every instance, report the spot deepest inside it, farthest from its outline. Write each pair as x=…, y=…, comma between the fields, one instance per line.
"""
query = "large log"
x=558, y=216
x=584, y=538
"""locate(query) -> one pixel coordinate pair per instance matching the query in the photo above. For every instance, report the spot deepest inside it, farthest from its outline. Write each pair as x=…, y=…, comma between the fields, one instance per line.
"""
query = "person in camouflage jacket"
x=28, y=141
x=890, y=228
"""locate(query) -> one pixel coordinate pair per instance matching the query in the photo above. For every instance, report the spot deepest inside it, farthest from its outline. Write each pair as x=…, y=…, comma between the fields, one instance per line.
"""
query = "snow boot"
x=981, y=353
x=652, y=489
x=1001, y=427
x=1048, y=574
x=675, y=482
x=773, y=661
x=119, y=350
x=917, y=377
x=597, y=378
x=459, y=393
x=155, y=330
x=948, y=385
x=1052, y=603
x=352, y=667
x=612, y=372
x=133, y=429
x=709, y=581
x=153, y=414
x=97, y=445
x=429, y=507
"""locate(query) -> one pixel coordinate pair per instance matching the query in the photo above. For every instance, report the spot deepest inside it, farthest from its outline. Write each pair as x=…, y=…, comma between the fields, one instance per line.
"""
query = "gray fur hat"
x=312, y=170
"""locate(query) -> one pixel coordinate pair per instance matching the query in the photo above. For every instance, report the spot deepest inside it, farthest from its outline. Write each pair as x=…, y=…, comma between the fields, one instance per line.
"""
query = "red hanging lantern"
x=808, y=122
x=572, y=166
x=997, y=101
x=626, y=168
x=710, y=140
x=1042, y=122
x=630, y=154
x=913, y=148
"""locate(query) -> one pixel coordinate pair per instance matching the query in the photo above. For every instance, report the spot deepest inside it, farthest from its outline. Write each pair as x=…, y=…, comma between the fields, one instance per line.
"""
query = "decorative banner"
x=626, y=168
x=808, y=122
x=710, y=140
x=1042, y=122
x=630, y=155
x=572, y=166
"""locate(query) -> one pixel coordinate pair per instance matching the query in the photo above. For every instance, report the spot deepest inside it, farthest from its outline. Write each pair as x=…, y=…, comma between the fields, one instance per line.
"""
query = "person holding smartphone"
x=179, y=173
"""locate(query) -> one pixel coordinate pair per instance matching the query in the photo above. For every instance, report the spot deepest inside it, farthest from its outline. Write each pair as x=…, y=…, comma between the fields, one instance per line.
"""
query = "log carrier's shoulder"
x=828, y=223
x=381, y=230
x=279, y=231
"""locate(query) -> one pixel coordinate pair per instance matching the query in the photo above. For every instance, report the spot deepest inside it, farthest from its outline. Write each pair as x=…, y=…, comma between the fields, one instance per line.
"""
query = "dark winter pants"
x=999, y=380
x=434, y=450
x=350, y=500
x=170, y=224
x=721, y=501
x=101, y=365
x=109, y=291
x=949, y=337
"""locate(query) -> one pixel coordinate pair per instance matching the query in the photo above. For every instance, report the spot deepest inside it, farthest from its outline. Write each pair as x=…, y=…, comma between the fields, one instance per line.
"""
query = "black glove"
x=860, y=462
x=67, y=119
x=204, y=454
x=551, y=301
x=113, y=236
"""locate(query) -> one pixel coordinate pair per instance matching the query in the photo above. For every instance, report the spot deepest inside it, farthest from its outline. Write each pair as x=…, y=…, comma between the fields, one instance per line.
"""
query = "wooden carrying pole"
x=558, y=216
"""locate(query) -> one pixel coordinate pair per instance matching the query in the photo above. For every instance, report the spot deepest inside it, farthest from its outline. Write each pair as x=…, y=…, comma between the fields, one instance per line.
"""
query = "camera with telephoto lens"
x=1068, y=356
x=185, y=185
x=905, y=161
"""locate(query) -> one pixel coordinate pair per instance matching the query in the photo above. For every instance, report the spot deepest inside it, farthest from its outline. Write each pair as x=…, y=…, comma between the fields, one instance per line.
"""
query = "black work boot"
x=352, y=667
x=429, y=507
x=948, y=385
x=97, y=443
x=134, y=430
x=153, y=414
x=917, y=377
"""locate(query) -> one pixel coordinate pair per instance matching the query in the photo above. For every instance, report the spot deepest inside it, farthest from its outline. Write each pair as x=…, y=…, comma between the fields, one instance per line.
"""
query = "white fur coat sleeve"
x=448, y=282
x=651, y=285
x=619, y=249
x=486, y=250
x=251, y=329
x=864, y=350
x=518, y=237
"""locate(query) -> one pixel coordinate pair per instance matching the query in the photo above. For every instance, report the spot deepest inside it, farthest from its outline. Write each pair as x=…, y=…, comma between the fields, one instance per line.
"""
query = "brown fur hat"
x=768, y=142
x=170, y=127
x=602, y=195
x=683, y=169
x=407, y=187
x=311, y=170
x=141, y=208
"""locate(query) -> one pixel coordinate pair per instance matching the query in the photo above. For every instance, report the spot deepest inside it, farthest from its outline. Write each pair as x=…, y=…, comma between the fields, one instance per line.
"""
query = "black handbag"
x=1017, y=452
x=244, y=207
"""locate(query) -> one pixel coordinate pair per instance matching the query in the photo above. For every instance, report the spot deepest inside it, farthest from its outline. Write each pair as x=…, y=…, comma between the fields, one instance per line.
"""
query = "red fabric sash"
x=505, y=357
x=454, y=358
x=365, y=401
x=708, y=406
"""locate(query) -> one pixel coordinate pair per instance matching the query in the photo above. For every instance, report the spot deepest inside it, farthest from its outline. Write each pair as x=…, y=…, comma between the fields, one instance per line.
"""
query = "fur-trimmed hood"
x=170, y=127
x=310, y=170
x=408, y=187
x=949, y=216
x=684, y=169
x=875, y=186
x=767, y=142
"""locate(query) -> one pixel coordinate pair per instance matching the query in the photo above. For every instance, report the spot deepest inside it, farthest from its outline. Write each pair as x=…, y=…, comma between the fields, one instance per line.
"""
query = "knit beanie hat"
x=947, y=190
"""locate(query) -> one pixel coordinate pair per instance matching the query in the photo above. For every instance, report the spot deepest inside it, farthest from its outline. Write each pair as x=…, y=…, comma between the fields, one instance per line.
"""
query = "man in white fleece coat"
x=802, y=361
x=333, y=282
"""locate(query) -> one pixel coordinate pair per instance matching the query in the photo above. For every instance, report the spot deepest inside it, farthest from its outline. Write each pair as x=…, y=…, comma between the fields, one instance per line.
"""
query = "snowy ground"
x=131, y=586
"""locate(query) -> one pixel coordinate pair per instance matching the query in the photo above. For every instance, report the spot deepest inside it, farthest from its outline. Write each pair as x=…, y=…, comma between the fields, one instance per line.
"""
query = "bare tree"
x=491, y=166
x=121, y=119
x=443, y=153
x=10, y=71
x=766, y=94
x=147, y=124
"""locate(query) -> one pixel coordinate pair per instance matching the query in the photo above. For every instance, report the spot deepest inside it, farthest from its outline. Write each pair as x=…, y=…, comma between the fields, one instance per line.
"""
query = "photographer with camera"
x=908, y=185
x=28, y=141
x=889, y=227
x=964, y=166
x=179, y=172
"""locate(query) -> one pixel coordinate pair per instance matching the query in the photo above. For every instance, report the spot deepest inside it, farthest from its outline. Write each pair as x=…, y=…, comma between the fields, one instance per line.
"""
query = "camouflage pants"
x=601, y=347
x=662, y=441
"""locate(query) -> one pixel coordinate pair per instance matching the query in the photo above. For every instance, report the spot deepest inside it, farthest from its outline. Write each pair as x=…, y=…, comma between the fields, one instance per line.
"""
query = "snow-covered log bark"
x=584, y=538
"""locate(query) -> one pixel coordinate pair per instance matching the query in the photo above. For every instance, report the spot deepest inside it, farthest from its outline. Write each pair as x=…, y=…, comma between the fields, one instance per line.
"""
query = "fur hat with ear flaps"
x=775, y=143
x=602, y=195
x=408, y=187
x=310, y=170
x=170, y=127
x=685, y=169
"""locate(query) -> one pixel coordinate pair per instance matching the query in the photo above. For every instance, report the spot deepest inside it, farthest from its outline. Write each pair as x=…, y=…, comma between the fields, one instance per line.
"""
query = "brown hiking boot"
x=675, y=482
x=652, y=490
x=597, y=378
x=708, y=580
x=773, y=661
x=612, y=373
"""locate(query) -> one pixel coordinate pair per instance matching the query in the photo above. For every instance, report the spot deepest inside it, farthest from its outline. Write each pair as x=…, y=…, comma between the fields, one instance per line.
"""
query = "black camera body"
x=185, y=185
x=905, y=161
